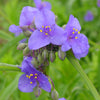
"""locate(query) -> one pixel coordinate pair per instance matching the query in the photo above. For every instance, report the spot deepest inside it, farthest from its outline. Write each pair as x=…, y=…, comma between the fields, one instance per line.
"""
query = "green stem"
x=78, y=67
x=8, y=67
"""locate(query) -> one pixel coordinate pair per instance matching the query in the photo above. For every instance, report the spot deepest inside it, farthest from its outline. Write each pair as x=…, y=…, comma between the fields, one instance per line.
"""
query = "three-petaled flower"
x=74, y=40
x=47, y=31
x=32, y=78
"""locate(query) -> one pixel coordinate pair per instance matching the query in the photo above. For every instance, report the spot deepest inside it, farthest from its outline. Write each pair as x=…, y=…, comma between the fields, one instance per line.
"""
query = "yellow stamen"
x=49, y=26
x=46, y=27
x=46, y=33
x=27, y=76
x=73, y=32
x=50, y=30
x=40, y=30
x=76, y=29
x=76, y=37
x=78, y=32
x=35, y=77
x=42, y=26
x=73, y=28
x=31, y=74
x=30, y=82
x=36, y=74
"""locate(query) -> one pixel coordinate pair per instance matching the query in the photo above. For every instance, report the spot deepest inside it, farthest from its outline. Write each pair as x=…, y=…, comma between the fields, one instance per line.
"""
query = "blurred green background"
x=67, y=81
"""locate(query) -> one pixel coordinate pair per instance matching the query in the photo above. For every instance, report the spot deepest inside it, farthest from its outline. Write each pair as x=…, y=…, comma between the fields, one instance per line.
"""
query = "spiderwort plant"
x=32, y=78
x=45, y=39
x=74, y=40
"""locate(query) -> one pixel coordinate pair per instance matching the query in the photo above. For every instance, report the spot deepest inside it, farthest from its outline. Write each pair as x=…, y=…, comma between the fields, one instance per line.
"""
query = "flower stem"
x=8, y=67
x=78, y=67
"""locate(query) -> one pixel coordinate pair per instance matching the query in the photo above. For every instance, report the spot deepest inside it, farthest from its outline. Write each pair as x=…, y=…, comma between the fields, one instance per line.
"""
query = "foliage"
x=67, y=81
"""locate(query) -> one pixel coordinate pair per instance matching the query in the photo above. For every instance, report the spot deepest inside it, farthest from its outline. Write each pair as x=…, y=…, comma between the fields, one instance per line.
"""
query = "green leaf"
x=5, y=35
x=6, y=93
x=10, y=44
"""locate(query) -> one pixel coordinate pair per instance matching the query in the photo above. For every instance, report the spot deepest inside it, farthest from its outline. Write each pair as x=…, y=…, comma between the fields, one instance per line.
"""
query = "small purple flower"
x=74, y=40
x=98, y=3
x=89, y=16
x=40, y=5
x=32, y=78
x=47, y=31
x=15, y=29
x=62, y=99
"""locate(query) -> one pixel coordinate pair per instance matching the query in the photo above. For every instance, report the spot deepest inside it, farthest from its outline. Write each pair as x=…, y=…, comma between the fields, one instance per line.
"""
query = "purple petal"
x=24, y=84
x=66, y=46
x=44, y=18
x=38, y=40
x=46, y=5
x=37, y=3
x=62, y=99
x=27, y=15
x=80, y=46
x=74, y=23
x=44, y=82
x=23, y=41
x=57, y=35
x=15, y=29
x=26, y=65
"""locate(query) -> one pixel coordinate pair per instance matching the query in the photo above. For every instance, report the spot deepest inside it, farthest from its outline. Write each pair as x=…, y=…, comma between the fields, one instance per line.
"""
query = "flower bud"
x=52, y=56
x=40, y=59
x=64, y=26
x=27, y=33
x=24, y=28
x=61, y=54
x=21, y=46
x=56, y=18
x=37, y=91
x=26, y=51
x=54, y=95
x=35, y=62
x=45, y=54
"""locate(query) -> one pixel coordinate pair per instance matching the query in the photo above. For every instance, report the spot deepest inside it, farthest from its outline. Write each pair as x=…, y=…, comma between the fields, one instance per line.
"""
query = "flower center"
x=45, y=30
x=73, y=34
x=32, y=75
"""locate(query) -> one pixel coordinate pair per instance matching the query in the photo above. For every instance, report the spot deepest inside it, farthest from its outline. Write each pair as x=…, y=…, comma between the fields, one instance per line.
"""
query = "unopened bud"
x=40, y=59
x=61, y=54
x=56, y=18
x=27, y=33
x=35, y=62
x=37, y=91
x=54, y=95
x=26, y=51
x=21, y=46
x=24, y=28
x=45, y=54
x=52, y=56
x=64, y=26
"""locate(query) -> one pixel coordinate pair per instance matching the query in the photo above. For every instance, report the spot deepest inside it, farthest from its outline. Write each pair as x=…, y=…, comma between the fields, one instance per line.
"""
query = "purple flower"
x=74, y=40
x=89, y=16
x=62, y=99
x=40, y=5
x=47, y=31
x=32, y=78
x=98, y=3
x=15, y=29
